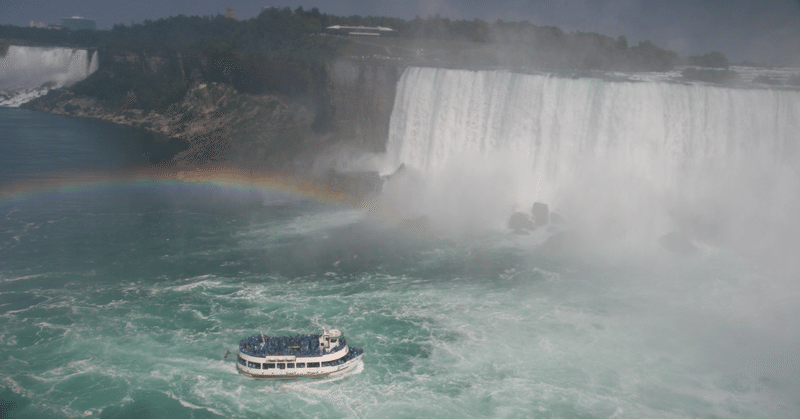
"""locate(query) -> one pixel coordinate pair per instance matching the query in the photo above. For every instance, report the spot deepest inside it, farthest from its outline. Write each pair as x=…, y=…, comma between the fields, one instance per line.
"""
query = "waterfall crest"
x=29, y=72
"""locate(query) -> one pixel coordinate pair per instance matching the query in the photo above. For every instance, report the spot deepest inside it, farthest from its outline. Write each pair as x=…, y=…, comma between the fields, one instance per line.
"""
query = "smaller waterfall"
x=94, y=64
x=30, y=72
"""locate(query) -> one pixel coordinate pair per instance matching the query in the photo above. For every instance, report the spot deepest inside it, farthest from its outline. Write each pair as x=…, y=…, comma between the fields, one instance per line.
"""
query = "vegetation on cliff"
x=290, y=36
x=124, y=86
x=525, y=44
x=212, y=123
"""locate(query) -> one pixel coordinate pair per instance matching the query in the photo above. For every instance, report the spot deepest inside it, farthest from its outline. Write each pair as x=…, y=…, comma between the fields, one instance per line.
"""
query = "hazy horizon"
x=744, y=30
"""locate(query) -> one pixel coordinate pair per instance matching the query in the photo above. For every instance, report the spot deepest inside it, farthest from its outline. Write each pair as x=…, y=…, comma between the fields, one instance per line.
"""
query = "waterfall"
x=29, y=72
x=94, y=64
x=643, y=156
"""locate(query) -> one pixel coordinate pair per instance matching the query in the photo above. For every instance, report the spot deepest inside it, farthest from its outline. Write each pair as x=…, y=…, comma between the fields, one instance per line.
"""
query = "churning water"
x=120, y=299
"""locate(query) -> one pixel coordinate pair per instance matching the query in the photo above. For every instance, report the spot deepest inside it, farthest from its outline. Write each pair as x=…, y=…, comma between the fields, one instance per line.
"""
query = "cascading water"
x=94, y=64
x=632, y=159
x=29, y=72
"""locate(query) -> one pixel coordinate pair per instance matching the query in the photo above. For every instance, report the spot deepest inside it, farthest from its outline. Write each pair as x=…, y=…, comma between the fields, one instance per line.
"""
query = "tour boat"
x=313, y=356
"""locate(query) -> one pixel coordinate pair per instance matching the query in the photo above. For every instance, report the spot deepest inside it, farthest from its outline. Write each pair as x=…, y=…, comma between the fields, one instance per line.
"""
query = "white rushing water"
x=633, y=160
x=30, y=72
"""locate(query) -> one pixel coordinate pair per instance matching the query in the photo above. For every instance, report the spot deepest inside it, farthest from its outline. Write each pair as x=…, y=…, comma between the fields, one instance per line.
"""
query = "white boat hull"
x=318, y=372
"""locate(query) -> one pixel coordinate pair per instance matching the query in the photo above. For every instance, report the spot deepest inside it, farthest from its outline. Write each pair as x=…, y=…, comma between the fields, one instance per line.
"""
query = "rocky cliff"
x=213, y=124
x=362, y=96
x=235, y=114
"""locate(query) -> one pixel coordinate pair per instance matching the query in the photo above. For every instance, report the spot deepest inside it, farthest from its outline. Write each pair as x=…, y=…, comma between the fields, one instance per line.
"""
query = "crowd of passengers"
x=300, y=345
x=354, y=352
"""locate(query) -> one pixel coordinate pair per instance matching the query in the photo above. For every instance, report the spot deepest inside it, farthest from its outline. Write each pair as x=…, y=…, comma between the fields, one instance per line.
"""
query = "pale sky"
x=758, y=30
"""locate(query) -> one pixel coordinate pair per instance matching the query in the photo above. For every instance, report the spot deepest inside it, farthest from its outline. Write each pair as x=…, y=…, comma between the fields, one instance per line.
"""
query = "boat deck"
x=299, y=346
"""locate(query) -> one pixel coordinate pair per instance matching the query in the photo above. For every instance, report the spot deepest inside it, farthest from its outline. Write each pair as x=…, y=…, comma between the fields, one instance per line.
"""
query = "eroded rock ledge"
x=216, y=123
x=217, y=126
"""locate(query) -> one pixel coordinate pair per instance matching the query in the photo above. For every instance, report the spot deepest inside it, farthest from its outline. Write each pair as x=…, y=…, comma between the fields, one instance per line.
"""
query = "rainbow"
x=373, y=206
x=206, y=175
x=209, y=175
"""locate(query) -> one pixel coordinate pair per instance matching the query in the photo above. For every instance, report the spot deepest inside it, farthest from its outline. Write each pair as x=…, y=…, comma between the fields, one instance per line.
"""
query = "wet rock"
x=520, y=222
x=540, y=212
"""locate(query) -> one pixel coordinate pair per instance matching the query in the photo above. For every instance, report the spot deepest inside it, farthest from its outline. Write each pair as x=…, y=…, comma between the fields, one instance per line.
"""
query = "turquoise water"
x=120, y=300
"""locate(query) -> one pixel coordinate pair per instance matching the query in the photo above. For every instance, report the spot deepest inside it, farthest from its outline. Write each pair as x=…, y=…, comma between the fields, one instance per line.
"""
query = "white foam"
x=22, y=278
x=203, y=283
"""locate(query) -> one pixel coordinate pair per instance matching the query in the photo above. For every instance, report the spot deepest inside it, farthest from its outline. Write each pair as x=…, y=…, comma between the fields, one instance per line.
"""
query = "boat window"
x=242, y=361
x=268, y=366
x=301, y=365
x=289, y=365
x=282, y=366
x=254, y=365
x=313, y=365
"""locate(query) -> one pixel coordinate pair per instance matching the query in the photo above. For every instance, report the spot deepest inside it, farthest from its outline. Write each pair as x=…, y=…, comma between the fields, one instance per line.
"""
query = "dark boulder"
x=520, y=222
x=540, y=212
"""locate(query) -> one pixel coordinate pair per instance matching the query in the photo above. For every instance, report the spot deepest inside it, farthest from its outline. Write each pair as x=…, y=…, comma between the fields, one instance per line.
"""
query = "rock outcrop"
x=362, y=97
x=254, y=115
x=520, y=223
x=541, y=214
x=216, y=122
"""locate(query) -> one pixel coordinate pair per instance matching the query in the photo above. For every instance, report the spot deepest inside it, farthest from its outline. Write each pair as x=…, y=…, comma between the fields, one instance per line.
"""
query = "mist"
x=624, y=162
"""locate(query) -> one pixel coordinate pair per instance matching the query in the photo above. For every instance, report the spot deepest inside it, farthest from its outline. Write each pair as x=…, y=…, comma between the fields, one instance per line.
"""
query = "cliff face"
x=192, y=68
x=214, y=123
x=362, y=96
x=239, y=112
